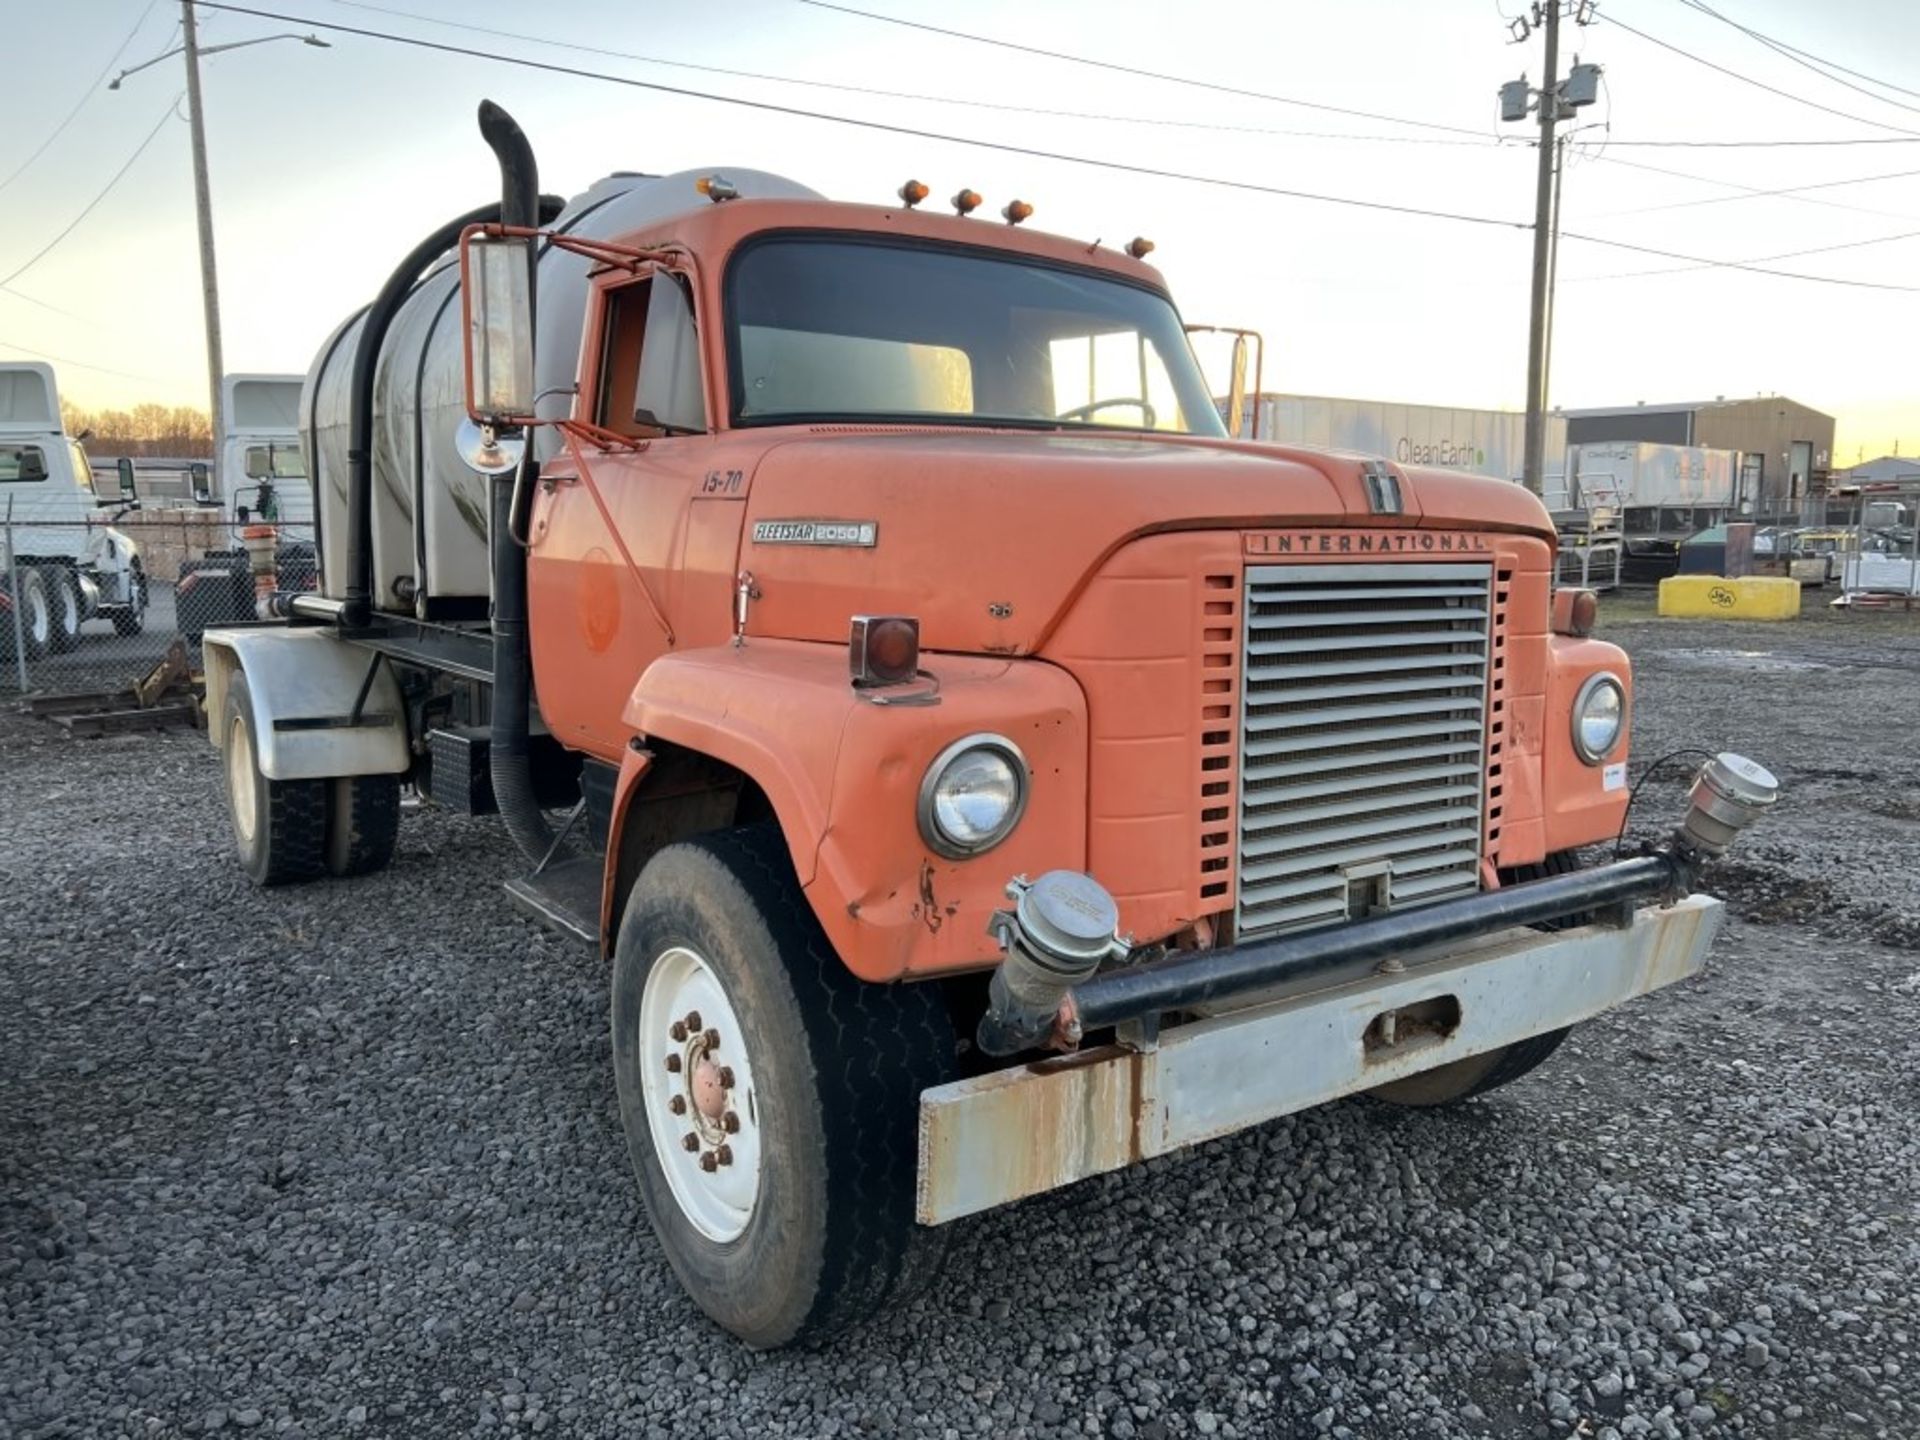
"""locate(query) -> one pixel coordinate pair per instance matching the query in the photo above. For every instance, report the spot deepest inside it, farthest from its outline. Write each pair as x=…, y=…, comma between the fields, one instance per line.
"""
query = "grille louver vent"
x=1362, y=740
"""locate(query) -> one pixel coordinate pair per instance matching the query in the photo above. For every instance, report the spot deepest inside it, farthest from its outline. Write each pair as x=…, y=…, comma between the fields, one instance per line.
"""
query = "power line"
x=1488, y=142
x=1711, y=264
x=1762, y=144
x=93, y=85
x=79, y=364
x=1132, y=69
x=1756, y=260
x=1116, y=165
x=1783, y=191
x=106, y=189
x=1123, y=166
x=1808, y=60
x=1743, y=79
x=1748, y=189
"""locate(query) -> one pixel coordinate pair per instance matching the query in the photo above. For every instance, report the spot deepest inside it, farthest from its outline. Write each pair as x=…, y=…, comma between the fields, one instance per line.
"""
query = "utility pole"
x=1553, y=101
x=203, y=212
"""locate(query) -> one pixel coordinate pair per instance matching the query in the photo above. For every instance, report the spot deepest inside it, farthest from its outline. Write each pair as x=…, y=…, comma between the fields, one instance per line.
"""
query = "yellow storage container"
x=1713, y=597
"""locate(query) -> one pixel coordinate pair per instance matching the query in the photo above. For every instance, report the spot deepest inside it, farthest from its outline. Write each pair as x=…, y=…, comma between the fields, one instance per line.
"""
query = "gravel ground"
x=344, y=1160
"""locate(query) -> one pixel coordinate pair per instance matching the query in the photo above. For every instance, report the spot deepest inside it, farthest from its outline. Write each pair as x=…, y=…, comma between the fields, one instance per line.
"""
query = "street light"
x=203, y=201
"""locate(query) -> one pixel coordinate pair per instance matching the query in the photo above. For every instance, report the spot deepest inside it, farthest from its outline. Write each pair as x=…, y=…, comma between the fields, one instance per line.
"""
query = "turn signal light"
x=966, y=202
x=1574, y=612
x=1016, y=211
x=883, y=649
x=912, y=193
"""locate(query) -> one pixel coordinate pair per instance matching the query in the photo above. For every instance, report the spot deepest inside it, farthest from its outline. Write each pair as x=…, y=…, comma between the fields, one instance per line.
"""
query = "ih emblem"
x=1383, y=489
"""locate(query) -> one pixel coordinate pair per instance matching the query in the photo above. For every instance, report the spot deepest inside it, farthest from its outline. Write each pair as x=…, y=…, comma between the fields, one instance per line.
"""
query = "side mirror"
x=496, y=291
x=123, y=467
x=201, y=480
x=1237, y=388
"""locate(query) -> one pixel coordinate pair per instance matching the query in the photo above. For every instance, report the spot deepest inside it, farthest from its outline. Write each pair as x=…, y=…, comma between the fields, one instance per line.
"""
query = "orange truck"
x=979, y=770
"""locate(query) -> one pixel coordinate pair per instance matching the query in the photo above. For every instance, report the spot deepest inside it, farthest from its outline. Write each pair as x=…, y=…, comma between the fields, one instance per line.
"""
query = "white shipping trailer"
x=1481, y=442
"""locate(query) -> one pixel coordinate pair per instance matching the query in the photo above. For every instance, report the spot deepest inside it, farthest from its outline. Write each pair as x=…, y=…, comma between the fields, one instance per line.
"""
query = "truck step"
x=565, y=896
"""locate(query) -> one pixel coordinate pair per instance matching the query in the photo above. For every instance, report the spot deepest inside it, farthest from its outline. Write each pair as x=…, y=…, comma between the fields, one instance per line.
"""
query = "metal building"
x=1784, y=447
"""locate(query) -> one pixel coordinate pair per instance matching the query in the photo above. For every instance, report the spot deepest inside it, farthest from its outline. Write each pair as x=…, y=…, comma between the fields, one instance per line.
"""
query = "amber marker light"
x=966, y=202
x=883, y=649
x=1016, y=211
x=912, y=193
x=1139, y=247
x=1574, y=612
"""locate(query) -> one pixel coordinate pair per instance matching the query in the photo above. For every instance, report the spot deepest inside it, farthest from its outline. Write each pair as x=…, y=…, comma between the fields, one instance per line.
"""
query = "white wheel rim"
x=69, y=610
x=240, y=779
x=39, y=615
x=698, y=1086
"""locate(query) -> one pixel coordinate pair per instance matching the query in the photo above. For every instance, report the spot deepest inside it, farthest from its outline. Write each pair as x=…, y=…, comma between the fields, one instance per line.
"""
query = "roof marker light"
x=966, y=202
x=717, y=188
x=1139, y=247
x=1016, y=211
x=912, y=193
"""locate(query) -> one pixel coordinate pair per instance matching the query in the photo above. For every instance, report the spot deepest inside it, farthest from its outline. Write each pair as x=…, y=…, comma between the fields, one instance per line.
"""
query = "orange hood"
x=987, y=537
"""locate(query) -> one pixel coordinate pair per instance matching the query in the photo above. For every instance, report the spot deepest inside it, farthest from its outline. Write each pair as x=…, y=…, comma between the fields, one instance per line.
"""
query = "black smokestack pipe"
x=510, y=720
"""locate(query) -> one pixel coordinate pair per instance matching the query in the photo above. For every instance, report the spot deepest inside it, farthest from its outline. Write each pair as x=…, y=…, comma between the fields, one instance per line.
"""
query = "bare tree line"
x=181, y=431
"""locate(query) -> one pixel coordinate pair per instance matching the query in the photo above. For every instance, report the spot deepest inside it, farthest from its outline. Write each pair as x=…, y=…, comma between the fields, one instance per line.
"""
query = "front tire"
x=279, y=826
x=35, y=605
x=774, y=1141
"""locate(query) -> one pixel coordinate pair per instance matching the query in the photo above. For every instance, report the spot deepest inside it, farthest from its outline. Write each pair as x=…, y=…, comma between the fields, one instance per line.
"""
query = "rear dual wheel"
x=770, y=1099
x=290, y=830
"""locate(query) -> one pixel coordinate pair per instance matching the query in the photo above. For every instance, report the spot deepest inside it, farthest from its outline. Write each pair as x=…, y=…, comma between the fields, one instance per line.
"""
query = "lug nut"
x=726, y=1077
x=693, y=1020
x=689, y=1143
x=724, y=1155
x=729, y=1122
x=712, y=1037
x=708, y=1163
x=677, y=1104
x=673, y=1064
x=678, y=1031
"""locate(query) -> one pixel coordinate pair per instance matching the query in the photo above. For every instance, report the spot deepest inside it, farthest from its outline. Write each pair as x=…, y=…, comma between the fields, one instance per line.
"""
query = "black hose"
x=1182, y=982
x=510, y=722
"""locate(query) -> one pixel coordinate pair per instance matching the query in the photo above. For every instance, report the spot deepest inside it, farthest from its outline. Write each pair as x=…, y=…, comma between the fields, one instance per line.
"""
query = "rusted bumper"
x=1029, y=1128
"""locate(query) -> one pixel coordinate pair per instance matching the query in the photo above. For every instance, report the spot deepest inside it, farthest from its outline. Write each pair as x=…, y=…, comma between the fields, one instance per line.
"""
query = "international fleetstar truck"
x=979, y=771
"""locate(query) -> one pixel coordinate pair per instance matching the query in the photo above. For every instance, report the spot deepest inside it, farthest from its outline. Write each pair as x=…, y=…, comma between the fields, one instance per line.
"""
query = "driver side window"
x=650, y=360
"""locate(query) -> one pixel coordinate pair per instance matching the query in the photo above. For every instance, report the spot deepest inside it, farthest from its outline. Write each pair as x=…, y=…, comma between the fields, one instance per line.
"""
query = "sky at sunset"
x=327, y=164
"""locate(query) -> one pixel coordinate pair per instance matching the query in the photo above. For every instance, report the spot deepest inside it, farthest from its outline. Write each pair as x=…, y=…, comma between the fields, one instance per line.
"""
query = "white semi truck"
x=61, y=562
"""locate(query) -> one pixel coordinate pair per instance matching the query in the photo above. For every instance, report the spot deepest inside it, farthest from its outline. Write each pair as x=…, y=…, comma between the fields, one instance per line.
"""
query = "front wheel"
x=770, y=1099
x=63, y=601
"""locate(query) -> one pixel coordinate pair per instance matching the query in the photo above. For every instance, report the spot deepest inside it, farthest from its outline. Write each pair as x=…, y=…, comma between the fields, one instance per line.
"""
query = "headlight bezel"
x=935, y=838
x=1600, y=679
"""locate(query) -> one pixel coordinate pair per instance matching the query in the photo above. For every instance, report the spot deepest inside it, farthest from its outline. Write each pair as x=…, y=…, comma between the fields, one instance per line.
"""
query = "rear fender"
x=304, y=683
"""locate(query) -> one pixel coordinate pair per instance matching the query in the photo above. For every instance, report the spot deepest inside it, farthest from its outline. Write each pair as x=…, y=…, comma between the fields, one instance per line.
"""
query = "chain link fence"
x=89, y=605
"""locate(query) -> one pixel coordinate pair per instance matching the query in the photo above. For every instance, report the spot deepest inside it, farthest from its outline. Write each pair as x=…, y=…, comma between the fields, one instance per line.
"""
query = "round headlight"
x=973, y=795
x=1599, y=717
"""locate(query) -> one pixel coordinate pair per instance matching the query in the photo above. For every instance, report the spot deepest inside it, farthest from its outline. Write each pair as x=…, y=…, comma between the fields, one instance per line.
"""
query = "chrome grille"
x=1362, y=740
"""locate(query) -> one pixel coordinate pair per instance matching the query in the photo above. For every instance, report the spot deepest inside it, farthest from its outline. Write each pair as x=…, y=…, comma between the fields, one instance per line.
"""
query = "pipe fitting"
x=1061, y=928
x=1729, y=794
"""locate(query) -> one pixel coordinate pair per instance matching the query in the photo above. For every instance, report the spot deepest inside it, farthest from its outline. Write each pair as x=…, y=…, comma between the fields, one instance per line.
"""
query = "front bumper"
x=1034, y=1127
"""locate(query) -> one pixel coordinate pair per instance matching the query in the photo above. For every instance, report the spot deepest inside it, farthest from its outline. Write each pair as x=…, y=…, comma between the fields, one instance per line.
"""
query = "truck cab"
x=61, y=562
x=978, y=770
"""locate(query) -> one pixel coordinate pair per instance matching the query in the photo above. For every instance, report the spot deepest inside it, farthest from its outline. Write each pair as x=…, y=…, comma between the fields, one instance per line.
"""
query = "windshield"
x=839, y=329
x=277, y=462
